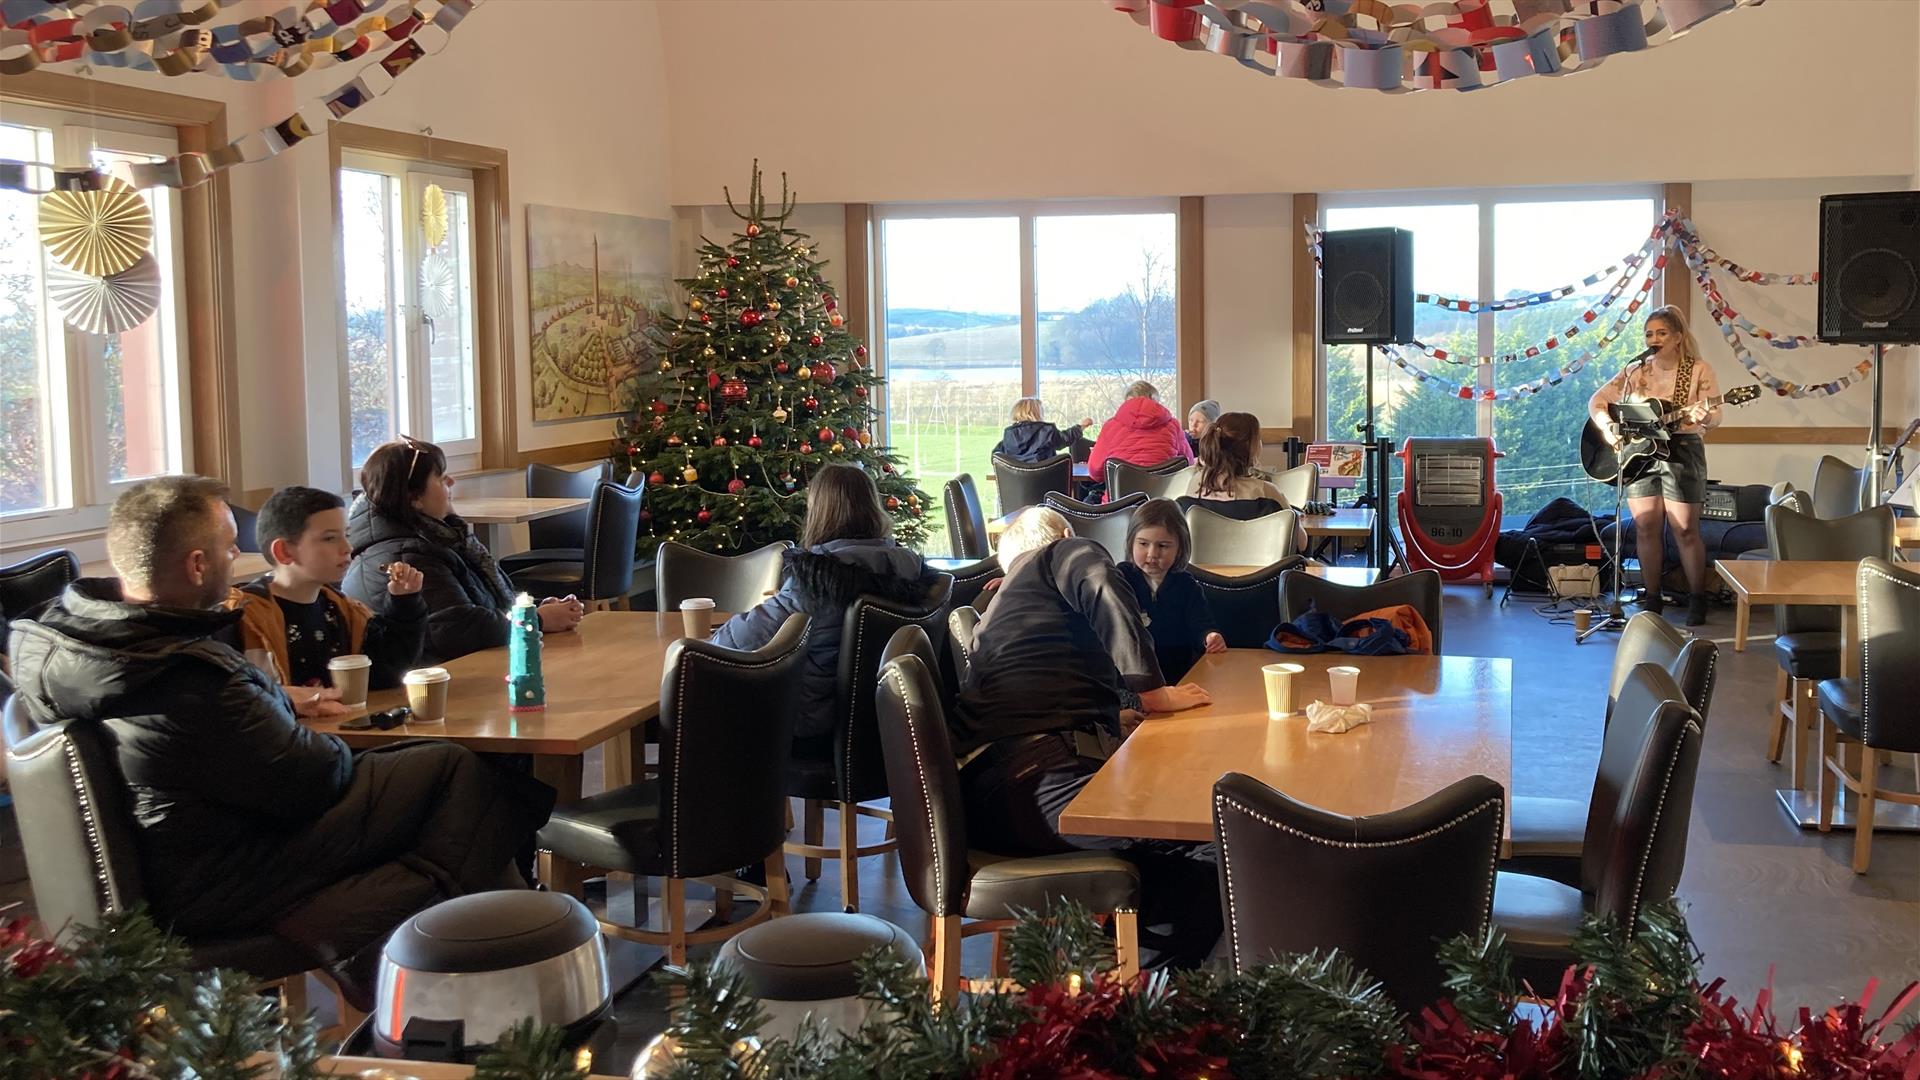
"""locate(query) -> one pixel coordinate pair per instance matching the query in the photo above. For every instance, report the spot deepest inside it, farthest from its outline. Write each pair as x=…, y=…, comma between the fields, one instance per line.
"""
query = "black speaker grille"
x=1358, y=301
x=1877, y=285
x=1870, y=267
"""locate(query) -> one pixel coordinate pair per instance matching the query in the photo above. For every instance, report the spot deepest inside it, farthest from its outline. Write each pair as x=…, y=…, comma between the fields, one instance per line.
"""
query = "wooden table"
x=1352, y=576
x=1906, y=533
x=603, y=680
x=1349, y=523
x=1436, y=719
x=490, y=516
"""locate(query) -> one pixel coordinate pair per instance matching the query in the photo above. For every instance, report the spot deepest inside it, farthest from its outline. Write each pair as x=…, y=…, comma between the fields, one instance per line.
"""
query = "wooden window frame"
x=494, y=376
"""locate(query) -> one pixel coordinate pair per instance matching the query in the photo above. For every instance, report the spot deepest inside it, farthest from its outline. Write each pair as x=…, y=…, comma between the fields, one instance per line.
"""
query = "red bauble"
x=754, y=441
x=721, y=292
x=823, y=371
x=826, y=434
x=733, y=391
x=699, y=406
x=659, y=422
x=750, y=317
x=659, y=406
x=792, y=281
x=811, y=402
x=781, y=367
x=850, y=434
x=736, y=485
x=719, y=441
x=816, y=340
x=673, y=440
x=860, y=351
x=806, y=448
x=753, y=228
x=887, y=467
x=703, y=516
x=860, y=391
x=656, y=478
x=893, y=503
x=705, y=318
x=713, y=380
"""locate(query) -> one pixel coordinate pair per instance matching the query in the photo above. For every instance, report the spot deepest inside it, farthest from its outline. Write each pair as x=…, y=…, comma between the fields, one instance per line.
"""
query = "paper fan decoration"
x=433, y=215
x=96, y=233
x=106, y=305
x=437, y=286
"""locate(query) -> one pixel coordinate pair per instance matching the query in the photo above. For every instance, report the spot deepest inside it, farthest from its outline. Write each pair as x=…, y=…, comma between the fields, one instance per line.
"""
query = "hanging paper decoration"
x=1457, y=45
x=438, y=282
x=1729, y=323
x=106, y=305
x=98, y=232
x=433, y=215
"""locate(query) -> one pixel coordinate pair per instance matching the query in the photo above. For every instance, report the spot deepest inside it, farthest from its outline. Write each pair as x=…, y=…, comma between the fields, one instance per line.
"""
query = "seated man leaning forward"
x=246, y=820
x=1060, y=652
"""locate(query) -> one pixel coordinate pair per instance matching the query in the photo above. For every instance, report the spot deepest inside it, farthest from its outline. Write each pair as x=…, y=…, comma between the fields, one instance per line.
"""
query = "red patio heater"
x=1449, y=507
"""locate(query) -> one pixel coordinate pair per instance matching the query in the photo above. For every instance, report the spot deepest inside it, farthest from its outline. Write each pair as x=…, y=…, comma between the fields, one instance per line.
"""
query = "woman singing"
x=1675, y=488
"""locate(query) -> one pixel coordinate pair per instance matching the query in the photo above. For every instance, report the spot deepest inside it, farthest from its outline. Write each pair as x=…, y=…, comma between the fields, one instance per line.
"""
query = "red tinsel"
x=1072, y=1037
x=1746, y=1044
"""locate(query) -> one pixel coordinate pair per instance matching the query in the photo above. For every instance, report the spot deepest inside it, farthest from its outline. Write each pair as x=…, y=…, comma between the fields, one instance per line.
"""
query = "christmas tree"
x=757, y=386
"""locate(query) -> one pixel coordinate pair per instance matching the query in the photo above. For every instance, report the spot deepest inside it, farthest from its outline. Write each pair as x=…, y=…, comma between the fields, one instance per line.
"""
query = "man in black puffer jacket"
x=245, y=819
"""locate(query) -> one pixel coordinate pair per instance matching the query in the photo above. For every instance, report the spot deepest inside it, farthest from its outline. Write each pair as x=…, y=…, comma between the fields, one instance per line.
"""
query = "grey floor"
x=1762, y=894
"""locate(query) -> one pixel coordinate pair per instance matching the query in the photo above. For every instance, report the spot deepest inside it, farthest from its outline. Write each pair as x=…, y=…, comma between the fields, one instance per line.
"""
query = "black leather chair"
x=1024, y=483
x=1636, y=840
x=726, y=719
x=855, y=774
x=77, y=833
x=1421, y=589
x=27, y=586
x=966, y=522
x=1294, y=878
x=563, y=537
x=1879, y=711
x=246, y=528
x=1154, y=481
x=953, y=884
x=1549, y=833
x=1246, y=608
x=1806, y=640
x=735, y=583
x=971, y=580
x=913, y=641
x=604, y=579
x=1223, y=541
x=1104, y=522
x=1836, y=488
x=961, y=624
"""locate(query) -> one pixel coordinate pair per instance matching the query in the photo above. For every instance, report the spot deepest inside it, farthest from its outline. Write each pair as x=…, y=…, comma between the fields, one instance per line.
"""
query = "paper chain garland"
x=1458, y=45
x=423, y=30
x=1730, y=323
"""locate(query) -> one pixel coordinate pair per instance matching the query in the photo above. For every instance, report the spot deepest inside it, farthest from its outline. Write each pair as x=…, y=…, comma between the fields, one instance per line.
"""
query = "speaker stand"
x=1377, y=550
x=1876, y=457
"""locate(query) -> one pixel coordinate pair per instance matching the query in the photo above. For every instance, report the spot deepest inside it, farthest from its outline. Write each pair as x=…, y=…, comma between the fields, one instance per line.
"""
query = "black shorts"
x=1682, y=477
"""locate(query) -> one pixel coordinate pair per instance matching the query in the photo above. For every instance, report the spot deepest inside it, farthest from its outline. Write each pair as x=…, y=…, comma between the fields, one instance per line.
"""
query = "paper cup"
x=427, y=693
x=696, y=617
x=1280, y=679
x=1345, y=684
x=1582, y=619
x=349, y=675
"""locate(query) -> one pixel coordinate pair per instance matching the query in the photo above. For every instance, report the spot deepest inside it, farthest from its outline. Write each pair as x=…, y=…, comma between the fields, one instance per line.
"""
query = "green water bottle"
x=526, y=689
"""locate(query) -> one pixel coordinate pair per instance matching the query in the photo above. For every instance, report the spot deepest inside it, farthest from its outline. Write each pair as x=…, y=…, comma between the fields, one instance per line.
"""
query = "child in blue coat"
x=1157, y=546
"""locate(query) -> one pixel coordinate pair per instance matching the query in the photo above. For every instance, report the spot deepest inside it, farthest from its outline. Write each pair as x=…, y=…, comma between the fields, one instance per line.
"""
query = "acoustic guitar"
x=1604, y=462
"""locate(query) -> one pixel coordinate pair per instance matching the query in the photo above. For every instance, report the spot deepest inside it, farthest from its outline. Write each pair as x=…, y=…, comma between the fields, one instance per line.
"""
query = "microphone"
x=1644, y=355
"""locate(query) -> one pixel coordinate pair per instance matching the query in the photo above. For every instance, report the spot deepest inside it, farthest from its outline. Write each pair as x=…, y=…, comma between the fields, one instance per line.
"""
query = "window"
x=984, y=305
x=407, y=243
x=1499, y=244
x=84, y=414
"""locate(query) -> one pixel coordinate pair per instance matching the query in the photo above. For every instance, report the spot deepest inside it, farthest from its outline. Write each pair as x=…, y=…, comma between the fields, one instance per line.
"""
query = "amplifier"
x=1731, y=502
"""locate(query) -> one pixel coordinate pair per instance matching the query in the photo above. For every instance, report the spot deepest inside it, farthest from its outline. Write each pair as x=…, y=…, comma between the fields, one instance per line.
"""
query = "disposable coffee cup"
x=427, y=693
x=1280, y=679
x=696, y=617
x=1345, y=684
x=349, y=676
x=1582, y=619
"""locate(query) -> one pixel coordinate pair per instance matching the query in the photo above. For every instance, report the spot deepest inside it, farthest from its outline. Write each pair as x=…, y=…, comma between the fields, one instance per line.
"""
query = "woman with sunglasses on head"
x=405, y=515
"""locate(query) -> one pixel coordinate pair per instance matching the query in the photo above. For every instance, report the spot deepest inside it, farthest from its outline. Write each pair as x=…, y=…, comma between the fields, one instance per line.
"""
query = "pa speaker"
x=1366, y=287
x=1870, y=268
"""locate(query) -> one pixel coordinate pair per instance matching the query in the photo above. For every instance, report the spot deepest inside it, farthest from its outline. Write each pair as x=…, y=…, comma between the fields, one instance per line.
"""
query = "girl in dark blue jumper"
x=1176, y=609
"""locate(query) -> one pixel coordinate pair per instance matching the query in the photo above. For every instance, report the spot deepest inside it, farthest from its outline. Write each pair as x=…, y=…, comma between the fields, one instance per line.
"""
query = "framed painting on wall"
x=595, y=284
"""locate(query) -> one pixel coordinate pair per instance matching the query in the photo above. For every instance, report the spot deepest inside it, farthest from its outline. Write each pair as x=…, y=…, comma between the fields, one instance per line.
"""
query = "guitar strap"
x=1683, y=383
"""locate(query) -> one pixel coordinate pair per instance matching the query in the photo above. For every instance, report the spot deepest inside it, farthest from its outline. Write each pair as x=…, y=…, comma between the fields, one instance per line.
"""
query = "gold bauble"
x=782, y=338
x=772, y=305
x=707, y=352
x=696, y=304
x=839, y=449
x=779, y=414
x=690, y=474
x=666, y=365
x=804, y=373
x=96, y=233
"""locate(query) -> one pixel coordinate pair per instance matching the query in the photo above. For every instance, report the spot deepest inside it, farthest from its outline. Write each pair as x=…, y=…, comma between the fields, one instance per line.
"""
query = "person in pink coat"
x=1141, y=432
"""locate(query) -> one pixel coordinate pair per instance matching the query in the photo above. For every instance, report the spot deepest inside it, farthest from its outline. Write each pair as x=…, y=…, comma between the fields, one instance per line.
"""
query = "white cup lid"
x=1283, y=669
x=419, y=676
x=696, y=603
x=349, y=661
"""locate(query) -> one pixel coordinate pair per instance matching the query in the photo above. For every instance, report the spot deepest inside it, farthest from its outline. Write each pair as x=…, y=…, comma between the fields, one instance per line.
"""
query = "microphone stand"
x=1616, y=617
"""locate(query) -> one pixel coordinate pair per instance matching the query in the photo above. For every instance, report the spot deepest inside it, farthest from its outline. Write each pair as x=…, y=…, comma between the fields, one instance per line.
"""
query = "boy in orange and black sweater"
x=296, y=613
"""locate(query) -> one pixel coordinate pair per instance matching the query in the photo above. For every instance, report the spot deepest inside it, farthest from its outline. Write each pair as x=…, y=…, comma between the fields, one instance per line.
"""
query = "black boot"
x=1651, y=599
x=1696, y=608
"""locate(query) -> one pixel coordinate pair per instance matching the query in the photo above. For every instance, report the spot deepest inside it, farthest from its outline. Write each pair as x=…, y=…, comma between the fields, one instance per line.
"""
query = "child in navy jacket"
x=1157, y=546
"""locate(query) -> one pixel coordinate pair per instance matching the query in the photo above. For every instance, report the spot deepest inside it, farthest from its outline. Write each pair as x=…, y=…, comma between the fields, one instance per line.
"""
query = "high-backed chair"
x=1124, y=478
x=1295, y=878
x=563, y=537
x=1636, y=838
x=1300, y=485
x=735, y=583
x=77, y=833
x=966, y=892
x=1806, y=642
x=972, y=580
x=1836, y=488
x=27, y=586
x=1026, y=483
x=1245, y=608
x=961, y=624
x=1549, y=834
x=246, y=523
x=604, y=577
x=913, y=641
x=966, y=523
x=856, y=774
x=1106, y=523
x=1877, y=712
x=1223, y=541
x=1421, y=589
x=726, y=718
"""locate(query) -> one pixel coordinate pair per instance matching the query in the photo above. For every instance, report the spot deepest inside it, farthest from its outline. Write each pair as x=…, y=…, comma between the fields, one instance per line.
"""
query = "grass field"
x=937, y=454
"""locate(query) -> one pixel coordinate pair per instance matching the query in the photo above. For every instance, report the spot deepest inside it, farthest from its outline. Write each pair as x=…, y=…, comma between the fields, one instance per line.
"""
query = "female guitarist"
x=1672, y=489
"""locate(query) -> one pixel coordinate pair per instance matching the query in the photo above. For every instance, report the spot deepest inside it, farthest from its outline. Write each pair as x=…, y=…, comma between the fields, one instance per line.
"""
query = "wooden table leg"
x=616, y=761
x=1742, y=611
x=562, y=773
x=1849, y=642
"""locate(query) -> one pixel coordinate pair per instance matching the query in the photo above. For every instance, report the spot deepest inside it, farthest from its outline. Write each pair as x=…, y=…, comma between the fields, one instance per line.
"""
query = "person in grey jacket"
x=846, y=552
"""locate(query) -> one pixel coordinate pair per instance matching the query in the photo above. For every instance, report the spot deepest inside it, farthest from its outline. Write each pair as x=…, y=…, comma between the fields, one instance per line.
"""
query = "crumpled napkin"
x=1334, y=719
